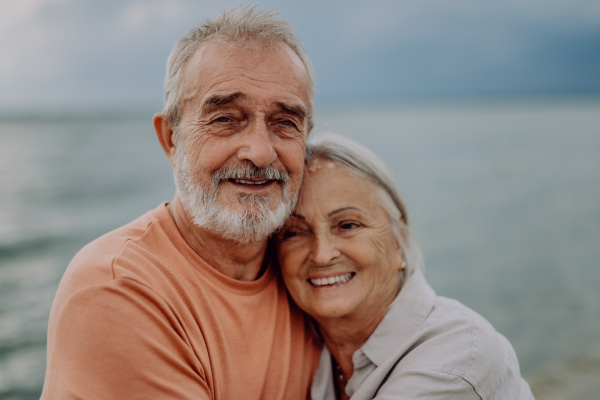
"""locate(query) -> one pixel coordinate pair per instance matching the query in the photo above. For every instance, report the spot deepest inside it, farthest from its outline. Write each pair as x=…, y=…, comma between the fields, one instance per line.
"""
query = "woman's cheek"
x=287, y=259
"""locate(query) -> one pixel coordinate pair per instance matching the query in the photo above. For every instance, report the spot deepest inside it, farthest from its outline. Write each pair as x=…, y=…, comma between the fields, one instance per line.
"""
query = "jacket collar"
x=403, y=319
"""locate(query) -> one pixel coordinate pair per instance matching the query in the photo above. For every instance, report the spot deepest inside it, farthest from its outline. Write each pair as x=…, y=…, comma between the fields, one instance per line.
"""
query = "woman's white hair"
x=363, y=162
x=244, y=25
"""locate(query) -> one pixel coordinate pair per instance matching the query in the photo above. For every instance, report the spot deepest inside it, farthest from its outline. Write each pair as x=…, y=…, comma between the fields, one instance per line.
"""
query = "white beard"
x=252, y=221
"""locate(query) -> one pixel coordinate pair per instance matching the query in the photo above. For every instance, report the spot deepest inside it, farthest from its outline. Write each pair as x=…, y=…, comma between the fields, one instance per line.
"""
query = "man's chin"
x=230, y=195
x=253, y=213
x=249, y=204
x=243, y=223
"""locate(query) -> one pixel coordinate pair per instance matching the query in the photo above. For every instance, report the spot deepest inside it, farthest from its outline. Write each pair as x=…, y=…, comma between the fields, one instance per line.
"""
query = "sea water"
x=504, y=199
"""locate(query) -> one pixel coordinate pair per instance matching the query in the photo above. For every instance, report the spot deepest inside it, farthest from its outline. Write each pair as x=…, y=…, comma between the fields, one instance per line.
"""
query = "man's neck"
x=243, y=262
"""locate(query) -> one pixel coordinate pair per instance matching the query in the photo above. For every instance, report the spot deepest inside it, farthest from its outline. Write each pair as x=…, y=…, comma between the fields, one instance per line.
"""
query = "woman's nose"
x=324, y=250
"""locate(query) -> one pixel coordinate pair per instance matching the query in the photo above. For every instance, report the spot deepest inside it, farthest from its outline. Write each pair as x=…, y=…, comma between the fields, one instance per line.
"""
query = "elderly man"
x=182, y=303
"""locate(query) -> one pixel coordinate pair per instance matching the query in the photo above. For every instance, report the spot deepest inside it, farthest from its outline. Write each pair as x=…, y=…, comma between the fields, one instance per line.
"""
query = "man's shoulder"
x=95, y=262
x=99, y=254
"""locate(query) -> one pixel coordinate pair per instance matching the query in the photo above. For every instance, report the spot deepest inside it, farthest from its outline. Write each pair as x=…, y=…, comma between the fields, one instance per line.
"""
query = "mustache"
x=251, y=171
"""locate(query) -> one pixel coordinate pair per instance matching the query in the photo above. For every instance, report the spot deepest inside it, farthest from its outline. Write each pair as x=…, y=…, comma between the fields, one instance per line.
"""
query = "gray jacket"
x=429, y=347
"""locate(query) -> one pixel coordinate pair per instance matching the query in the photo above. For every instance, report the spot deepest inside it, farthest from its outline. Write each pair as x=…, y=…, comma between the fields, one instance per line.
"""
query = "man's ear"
x=164, y=132
x=311, y=125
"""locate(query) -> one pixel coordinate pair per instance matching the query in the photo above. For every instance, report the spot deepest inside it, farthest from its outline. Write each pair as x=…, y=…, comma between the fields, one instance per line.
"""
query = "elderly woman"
x=349, y=260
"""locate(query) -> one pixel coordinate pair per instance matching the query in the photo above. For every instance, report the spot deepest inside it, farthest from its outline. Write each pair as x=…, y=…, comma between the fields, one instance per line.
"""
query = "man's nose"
x=258, y=146
x=324, y=250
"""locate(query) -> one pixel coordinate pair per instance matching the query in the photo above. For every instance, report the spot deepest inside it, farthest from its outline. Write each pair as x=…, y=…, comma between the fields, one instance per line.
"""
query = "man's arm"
x=121, y=340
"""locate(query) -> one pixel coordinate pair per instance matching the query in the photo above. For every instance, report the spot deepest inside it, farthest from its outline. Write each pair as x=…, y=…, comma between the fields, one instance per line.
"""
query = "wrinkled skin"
x=238, y=106
x=339, y=227
x=252, y=126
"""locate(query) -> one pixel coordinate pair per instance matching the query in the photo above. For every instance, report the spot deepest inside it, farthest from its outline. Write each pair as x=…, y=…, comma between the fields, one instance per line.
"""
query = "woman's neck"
x=343, y=336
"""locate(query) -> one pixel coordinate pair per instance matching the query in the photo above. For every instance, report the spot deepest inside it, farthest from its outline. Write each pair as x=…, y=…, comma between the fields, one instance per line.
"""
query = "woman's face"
x=338, y=253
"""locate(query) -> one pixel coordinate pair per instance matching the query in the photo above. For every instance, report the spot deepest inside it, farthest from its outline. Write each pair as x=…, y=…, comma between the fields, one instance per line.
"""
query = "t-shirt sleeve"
x=120, y=340
x=426, y=384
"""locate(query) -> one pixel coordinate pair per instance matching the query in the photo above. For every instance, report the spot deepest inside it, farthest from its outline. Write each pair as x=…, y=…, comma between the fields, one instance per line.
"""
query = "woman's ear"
x=399, y=256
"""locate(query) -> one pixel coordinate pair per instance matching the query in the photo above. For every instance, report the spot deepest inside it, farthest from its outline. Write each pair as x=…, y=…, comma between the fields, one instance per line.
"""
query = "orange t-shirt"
x=139, y=315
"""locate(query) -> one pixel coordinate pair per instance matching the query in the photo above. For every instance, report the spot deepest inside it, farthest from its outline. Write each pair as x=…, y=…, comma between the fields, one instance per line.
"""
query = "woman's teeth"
x=332, y=280
x=245, y=182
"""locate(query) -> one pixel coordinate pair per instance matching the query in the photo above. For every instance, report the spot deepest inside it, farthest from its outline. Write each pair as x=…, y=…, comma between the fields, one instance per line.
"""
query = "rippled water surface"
x=505, y=200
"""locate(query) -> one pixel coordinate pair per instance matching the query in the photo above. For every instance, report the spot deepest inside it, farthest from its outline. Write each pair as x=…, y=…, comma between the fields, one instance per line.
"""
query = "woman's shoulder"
x=433, y=347
x=458, y=341
x=451, y=352
x=452, y=319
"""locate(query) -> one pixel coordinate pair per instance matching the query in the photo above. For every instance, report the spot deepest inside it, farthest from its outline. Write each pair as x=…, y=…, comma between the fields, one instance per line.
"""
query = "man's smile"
x=253, y=184
x=249, y=182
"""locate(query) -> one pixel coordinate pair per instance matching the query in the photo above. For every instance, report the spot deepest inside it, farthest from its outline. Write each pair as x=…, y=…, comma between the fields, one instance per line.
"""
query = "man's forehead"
x=215, y=58
x=223, y=50
x=217, y=72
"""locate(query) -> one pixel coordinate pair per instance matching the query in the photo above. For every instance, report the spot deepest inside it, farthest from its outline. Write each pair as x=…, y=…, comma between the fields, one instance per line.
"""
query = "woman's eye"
x=223, y=120
x=290, y=233
x=347, y=226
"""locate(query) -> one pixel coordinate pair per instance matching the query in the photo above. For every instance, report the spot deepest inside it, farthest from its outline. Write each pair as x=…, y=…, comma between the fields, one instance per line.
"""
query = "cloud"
x=28, y=42
x=380, y=22
x=17, y=12
x=142, y=15
x=115, y=50
x=462, y=33
x=84, y=53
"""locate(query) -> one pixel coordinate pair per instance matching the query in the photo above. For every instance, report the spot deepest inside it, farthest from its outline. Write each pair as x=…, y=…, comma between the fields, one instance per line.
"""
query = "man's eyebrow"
x=296, y=110
x=344, y=209
x=299, y=216
x=217, y=100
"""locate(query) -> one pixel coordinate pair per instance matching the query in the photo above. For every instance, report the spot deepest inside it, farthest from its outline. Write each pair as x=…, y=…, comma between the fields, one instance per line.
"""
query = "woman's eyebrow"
x=344, y=209
x=298, y=216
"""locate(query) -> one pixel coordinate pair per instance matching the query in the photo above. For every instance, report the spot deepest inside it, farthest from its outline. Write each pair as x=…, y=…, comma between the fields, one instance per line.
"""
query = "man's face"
x=240, y=152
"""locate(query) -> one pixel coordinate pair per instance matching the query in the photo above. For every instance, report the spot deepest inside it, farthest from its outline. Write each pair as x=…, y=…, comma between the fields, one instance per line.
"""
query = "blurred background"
x=487, y=112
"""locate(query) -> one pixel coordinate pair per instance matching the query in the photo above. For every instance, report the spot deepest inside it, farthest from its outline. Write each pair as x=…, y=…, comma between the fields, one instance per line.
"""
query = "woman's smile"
x=349, y=261
x=338, y=253
x=331, y=280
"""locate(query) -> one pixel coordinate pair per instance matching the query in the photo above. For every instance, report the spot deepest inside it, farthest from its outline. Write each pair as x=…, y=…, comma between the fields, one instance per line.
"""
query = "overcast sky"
x=111, y=54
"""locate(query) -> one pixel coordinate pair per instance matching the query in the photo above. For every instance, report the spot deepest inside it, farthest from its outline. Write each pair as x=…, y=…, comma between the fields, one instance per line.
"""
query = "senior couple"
x=189, y=301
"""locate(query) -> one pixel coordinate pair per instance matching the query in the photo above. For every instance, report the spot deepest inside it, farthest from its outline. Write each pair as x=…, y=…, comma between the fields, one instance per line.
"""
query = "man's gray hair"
x=363, y=162
x=236, y=26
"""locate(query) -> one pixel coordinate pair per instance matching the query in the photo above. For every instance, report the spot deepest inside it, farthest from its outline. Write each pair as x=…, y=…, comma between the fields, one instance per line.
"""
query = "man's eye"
x=286, y=122
x=223, y=120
